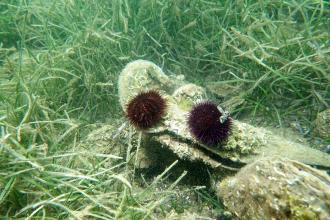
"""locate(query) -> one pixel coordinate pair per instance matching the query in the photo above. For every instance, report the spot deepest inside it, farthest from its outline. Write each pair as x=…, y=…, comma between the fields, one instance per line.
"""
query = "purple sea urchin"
x=205, y=125
x=146, y=109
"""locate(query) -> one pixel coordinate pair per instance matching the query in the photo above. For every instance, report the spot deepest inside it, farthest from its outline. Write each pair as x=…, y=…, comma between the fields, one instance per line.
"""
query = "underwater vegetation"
x=64, y=152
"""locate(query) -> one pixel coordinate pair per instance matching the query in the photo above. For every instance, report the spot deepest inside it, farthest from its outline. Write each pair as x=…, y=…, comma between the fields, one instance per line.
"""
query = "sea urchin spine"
x=146, y=109
x=205, y=125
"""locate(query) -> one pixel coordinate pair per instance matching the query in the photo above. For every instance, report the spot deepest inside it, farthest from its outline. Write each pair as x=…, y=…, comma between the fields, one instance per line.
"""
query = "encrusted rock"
x=188, y=94
x=105, y=140
x=322, y=124
x=232, y=96
x=274, y=188
x=139, y=76
x=245, y=144
x=117, y=140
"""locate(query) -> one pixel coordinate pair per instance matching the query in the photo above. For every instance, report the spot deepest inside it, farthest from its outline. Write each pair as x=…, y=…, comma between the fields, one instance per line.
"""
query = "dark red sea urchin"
x=204, y=124
x=146, y=109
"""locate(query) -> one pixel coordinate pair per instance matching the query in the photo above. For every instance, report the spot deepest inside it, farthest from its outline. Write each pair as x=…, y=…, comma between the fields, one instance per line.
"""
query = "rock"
x=222, y=90
x=188, y=94
x=138, y=76
x=322, y=124
x=105, y=140
x=232, y=96
x=115, y=140
x=274, y=188
x=245, y=143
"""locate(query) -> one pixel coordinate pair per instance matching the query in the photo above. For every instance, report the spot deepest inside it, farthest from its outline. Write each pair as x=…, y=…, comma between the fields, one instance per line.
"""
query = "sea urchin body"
x=204, y=124
x=146, y=109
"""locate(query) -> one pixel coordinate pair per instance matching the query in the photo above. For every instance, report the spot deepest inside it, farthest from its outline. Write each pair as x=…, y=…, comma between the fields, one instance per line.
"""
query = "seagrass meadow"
x=59, y=67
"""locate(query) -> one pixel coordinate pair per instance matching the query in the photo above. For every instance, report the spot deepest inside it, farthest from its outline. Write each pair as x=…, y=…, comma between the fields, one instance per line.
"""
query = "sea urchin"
x=146, y=109
x=205, y=124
